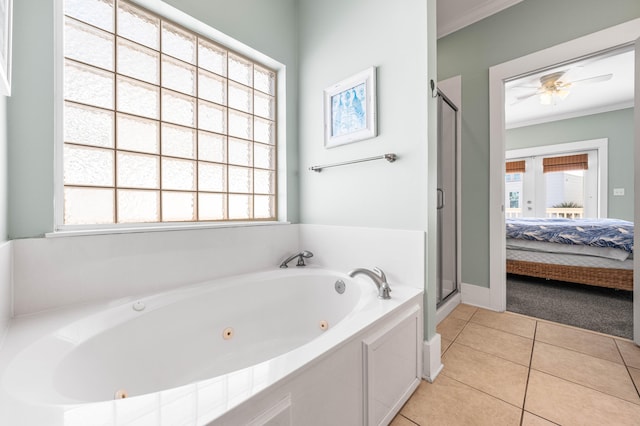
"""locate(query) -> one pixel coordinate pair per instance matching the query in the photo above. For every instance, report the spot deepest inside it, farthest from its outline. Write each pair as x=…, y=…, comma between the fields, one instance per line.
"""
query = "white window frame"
x=191, y=23
x=598, y=145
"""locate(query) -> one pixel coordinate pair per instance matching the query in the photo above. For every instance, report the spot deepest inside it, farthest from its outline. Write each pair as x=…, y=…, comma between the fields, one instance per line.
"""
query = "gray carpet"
x=605, y=310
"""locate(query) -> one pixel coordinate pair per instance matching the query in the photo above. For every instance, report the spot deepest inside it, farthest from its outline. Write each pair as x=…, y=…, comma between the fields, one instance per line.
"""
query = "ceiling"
x=583, y=98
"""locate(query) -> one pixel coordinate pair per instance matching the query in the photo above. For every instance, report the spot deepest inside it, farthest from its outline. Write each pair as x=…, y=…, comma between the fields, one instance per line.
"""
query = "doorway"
x=601, y=41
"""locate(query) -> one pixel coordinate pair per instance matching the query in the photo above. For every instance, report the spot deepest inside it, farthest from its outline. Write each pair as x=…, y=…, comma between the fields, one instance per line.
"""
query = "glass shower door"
x=447, y=272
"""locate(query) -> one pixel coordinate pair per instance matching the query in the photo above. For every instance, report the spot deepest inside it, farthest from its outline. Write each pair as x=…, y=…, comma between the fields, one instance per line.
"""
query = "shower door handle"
x=440, y=199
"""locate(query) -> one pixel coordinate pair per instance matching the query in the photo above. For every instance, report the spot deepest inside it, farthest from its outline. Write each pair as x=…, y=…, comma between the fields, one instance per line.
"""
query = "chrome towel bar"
x=389, y=157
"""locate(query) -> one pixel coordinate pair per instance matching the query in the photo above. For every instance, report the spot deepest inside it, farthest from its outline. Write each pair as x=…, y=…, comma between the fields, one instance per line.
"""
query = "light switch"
x=618, y=191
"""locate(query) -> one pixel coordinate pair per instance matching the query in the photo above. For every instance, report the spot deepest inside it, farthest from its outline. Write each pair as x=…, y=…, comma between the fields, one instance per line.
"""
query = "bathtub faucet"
x=301, y=256
x=379, y=279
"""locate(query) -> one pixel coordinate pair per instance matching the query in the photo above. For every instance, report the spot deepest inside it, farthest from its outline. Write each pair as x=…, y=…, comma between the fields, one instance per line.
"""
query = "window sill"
x=123, y=229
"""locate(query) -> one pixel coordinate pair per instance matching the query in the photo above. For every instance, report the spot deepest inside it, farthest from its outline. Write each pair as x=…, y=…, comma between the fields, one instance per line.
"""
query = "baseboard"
x=447, y=307
x=431, y=362
x=476, y=296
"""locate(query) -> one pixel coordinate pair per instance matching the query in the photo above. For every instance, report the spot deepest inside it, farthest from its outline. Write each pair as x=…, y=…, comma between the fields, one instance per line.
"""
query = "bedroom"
x=569, y=150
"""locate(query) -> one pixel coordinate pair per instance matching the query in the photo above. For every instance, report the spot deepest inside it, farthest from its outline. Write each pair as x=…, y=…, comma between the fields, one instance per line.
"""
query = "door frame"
x=625, y=33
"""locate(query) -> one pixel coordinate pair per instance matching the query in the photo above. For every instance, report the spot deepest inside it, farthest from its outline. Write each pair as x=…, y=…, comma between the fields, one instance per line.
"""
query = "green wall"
x=270, y=27
x=617, y=126
x=527, y=27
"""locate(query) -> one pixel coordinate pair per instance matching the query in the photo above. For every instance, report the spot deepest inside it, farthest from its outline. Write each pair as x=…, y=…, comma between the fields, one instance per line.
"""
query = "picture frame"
x=6, y=30
x=350, y=109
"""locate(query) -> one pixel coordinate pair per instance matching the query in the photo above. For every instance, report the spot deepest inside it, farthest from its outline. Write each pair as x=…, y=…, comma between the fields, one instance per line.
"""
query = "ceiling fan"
x=555, y=87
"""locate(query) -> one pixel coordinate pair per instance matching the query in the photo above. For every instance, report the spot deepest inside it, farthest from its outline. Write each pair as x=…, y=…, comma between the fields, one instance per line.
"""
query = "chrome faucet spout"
x=301, y=256
x=379, y=279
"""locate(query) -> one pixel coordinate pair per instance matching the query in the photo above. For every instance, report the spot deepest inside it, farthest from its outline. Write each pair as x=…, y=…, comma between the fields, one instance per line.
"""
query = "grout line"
x=402, y=415
x=497, y=356
x=482, y=391
x=584, y=353
x=538, y=415
x=636, y=386
x=526, y=386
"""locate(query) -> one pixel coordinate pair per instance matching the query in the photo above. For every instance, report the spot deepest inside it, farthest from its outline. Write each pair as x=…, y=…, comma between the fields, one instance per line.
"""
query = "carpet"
x=599, y=309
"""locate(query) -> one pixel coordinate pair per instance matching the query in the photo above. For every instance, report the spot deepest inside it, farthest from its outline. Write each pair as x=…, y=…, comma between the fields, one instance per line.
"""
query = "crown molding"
x=473, y=15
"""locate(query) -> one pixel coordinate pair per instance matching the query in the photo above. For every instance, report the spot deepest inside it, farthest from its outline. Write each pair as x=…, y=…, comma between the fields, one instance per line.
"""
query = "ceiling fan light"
x=562, y=94
x=546, y=98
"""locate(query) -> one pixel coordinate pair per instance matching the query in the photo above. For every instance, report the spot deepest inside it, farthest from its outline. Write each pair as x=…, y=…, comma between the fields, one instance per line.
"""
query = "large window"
x=160, y=123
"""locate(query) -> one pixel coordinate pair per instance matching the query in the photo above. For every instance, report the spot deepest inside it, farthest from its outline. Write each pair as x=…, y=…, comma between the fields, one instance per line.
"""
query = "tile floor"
x=509, y=369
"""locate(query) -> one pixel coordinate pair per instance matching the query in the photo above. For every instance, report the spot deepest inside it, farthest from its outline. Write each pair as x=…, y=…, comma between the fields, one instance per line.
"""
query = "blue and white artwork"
x=349, y=111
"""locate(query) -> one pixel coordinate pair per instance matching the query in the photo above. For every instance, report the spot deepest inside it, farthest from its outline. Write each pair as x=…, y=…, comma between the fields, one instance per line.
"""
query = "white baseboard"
x=445, y=309
x=476, y=296
x=431, y=363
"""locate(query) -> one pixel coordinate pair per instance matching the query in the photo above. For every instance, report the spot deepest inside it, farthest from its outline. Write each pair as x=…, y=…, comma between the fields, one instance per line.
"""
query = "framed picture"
x=350, y=109
x=6, y=22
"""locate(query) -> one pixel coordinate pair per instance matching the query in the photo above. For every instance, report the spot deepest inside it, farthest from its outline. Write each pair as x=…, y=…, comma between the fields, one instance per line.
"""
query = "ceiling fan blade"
x=591, y=80
x=524, y=97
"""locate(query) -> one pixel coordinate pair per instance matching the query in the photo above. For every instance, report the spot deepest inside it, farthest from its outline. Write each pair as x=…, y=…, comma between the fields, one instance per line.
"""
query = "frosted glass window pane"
x=239, y=206
x=88, y=44
x=240, y=97
x=212, y=206
x=138, y=171
x=88, y=206
x=88, y=126
x=88, y=166
x=264, y=80
x=137, y=98
x=139, y=26
x=212, y=88
x=178, y=109
x=178, y=206
x=138, y=134
x=212, y=58
x=212, y=147
x=178, y=76
x=264, y=156
x=240, y=70
x=137, y=61
x=212, y=177
x=264, y=131
x=240, y=152
x=98, y=13
x=178, y=141
x=264, y=106
x=88, y=85
x=240, y=179
x=240, y=125
x=264, y=207
x=264, y=182
x=178, y=174
x=178, y=43
x=212, y=117
x=138, y=206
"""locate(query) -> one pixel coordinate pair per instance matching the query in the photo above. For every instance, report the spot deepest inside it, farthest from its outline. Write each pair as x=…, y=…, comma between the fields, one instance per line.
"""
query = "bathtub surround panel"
x=5, y=288
x=400, y=254
x=54, y=272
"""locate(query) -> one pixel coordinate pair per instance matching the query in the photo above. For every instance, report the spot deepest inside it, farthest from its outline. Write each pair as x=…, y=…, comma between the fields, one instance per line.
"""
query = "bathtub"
x=188, y=356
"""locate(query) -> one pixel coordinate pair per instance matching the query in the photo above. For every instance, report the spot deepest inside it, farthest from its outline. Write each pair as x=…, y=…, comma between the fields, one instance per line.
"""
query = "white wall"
x=339, y=39
x=5, y=246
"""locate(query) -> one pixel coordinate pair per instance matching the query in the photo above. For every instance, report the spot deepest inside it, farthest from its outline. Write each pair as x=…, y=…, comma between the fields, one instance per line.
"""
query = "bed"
x=596, y=252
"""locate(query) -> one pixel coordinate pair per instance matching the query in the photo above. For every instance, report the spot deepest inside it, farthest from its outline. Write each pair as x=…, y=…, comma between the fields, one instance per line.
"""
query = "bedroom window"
x=161, y=124
x=553, y=184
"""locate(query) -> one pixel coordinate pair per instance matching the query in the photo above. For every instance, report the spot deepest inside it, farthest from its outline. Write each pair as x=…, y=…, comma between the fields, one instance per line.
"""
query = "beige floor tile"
x=635, y=376
x=505, y=345
x=496, y=376
x=444, y=345
x=630, y=353
x=448, y=402
x=582, y=341
x=596, y=373
x=505, y=321
x=529, y=419
x=567, y=403
x=400, y=420
x=450, y=327
x=463, y=312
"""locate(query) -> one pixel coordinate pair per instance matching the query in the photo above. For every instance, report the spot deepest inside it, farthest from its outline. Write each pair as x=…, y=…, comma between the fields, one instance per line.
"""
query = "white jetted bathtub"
x=228, y=351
